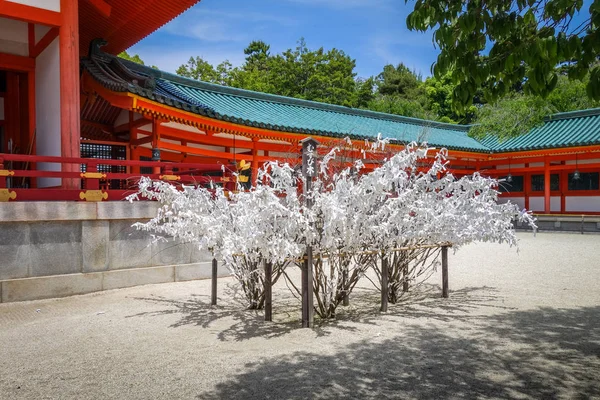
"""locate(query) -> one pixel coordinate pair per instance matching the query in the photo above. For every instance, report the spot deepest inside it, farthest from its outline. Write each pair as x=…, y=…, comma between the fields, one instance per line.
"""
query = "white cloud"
x=344, y=4
x=220, y=26
x=409, y=48
x=170, y=59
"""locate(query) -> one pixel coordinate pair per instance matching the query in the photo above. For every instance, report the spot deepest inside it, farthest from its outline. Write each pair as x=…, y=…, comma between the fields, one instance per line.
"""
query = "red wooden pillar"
x=254, y=161
x=32, y=121
x=563, y=186
x=527, y=187
x=69, y=87
x=155, y=140
x=546, y=185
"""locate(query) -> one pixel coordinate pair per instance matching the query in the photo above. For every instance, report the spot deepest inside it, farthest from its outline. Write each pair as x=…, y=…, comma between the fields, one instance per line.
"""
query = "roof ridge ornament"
x=95, y=52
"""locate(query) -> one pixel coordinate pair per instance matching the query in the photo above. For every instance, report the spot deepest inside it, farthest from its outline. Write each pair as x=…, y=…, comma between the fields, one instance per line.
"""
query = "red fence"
x=26, y=177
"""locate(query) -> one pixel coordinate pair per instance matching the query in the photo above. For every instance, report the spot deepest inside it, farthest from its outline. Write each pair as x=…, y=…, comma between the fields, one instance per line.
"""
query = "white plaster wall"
x=183, y=127
x=274, y=141
x=512, y=166
x=171, y=141
x=592, y=161
x=124, y=117
x=52, y=5
x=13, y=37
x=146, y=128
x=40, y=31
x=536, y=164
x=230, y=136
x=537, y=203
x=208, y=147
x=278, y=154
x=582, y=203
x=47, y=97
x=520, y=201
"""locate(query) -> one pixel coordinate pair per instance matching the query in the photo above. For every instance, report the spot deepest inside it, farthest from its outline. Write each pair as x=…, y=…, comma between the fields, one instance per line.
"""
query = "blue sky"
x=371, y=31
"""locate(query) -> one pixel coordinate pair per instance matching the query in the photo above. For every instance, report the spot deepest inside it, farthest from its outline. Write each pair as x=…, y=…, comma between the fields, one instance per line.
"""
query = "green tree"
x=496, y=44
x=400, y=106
x=517, y=112
x=364, y=92
x=400, y=81
x=439, y=101
x=319, y=75
x=257, y=55
x=135, y=58
x=197, y=68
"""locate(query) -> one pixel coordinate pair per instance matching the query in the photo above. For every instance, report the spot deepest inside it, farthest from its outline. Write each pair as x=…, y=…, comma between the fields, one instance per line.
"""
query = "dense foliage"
x=496, y=44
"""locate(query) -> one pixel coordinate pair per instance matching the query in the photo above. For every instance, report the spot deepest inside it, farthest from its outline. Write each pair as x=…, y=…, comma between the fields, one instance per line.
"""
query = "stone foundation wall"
x=53, y=249
x=566, y=223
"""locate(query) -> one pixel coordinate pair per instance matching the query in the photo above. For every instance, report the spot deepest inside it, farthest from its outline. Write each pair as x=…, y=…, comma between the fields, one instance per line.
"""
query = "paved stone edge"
x=37, y=211
x=24, y=289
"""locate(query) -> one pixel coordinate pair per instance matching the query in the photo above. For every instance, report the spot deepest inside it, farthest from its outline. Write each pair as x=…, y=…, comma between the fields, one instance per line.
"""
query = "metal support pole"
x=213, y=293
x=268, y=291
x=445, y=271
x=384, y=283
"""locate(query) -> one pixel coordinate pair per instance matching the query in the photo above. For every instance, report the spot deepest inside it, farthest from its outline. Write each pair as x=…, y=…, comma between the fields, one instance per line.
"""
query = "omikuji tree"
x=411, y=199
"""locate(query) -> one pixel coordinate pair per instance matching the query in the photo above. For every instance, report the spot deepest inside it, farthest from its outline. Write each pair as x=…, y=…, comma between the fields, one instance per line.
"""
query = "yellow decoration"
x=93, y=195
x=244, y=165
x=5, y=172
x=242, y=179
x=6, y=195
x=93, y=175
x=170, y=177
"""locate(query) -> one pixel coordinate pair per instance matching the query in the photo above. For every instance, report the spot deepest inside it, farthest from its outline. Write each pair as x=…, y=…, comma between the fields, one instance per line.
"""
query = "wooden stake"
x=307, y=290
x=213, y=293
x=268, y=291
x=445, y=271
x=384, y=283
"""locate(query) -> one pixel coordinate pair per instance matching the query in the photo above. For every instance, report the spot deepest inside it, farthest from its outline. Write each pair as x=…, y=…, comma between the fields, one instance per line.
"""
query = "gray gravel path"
x=517, y=325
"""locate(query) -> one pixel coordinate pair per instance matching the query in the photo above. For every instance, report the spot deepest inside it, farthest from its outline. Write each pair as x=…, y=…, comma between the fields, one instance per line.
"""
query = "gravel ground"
x=517, y=325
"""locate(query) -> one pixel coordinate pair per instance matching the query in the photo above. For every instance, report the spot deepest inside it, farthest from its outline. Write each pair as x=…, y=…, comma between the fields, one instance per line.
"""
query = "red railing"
x=90, y=179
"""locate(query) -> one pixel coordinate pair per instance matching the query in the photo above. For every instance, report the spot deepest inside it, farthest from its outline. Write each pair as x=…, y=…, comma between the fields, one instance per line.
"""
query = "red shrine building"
x=78, y=123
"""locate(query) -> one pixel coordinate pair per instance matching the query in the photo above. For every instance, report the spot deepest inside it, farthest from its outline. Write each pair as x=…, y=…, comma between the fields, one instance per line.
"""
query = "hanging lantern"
x=576, y=174
x=509, y=176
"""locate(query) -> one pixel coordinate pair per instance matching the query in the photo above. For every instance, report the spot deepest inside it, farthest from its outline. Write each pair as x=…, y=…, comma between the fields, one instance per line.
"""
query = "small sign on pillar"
x=309, y=157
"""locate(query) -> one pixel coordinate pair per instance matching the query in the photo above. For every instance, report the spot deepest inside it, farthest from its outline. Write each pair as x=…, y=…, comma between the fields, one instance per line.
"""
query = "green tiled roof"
x=577, y=128
x=271, y=111
x=287, y=114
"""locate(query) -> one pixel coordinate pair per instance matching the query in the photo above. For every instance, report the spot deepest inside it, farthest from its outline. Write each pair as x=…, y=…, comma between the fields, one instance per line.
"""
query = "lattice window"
x=106, y=152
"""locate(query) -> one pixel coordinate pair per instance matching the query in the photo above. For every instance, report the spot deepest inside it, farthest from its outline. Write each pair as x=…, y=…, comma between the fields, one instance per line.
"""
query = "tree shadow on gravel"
x=425, y=302
x=243, y=324
x=545, y=353
x=236, y=323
